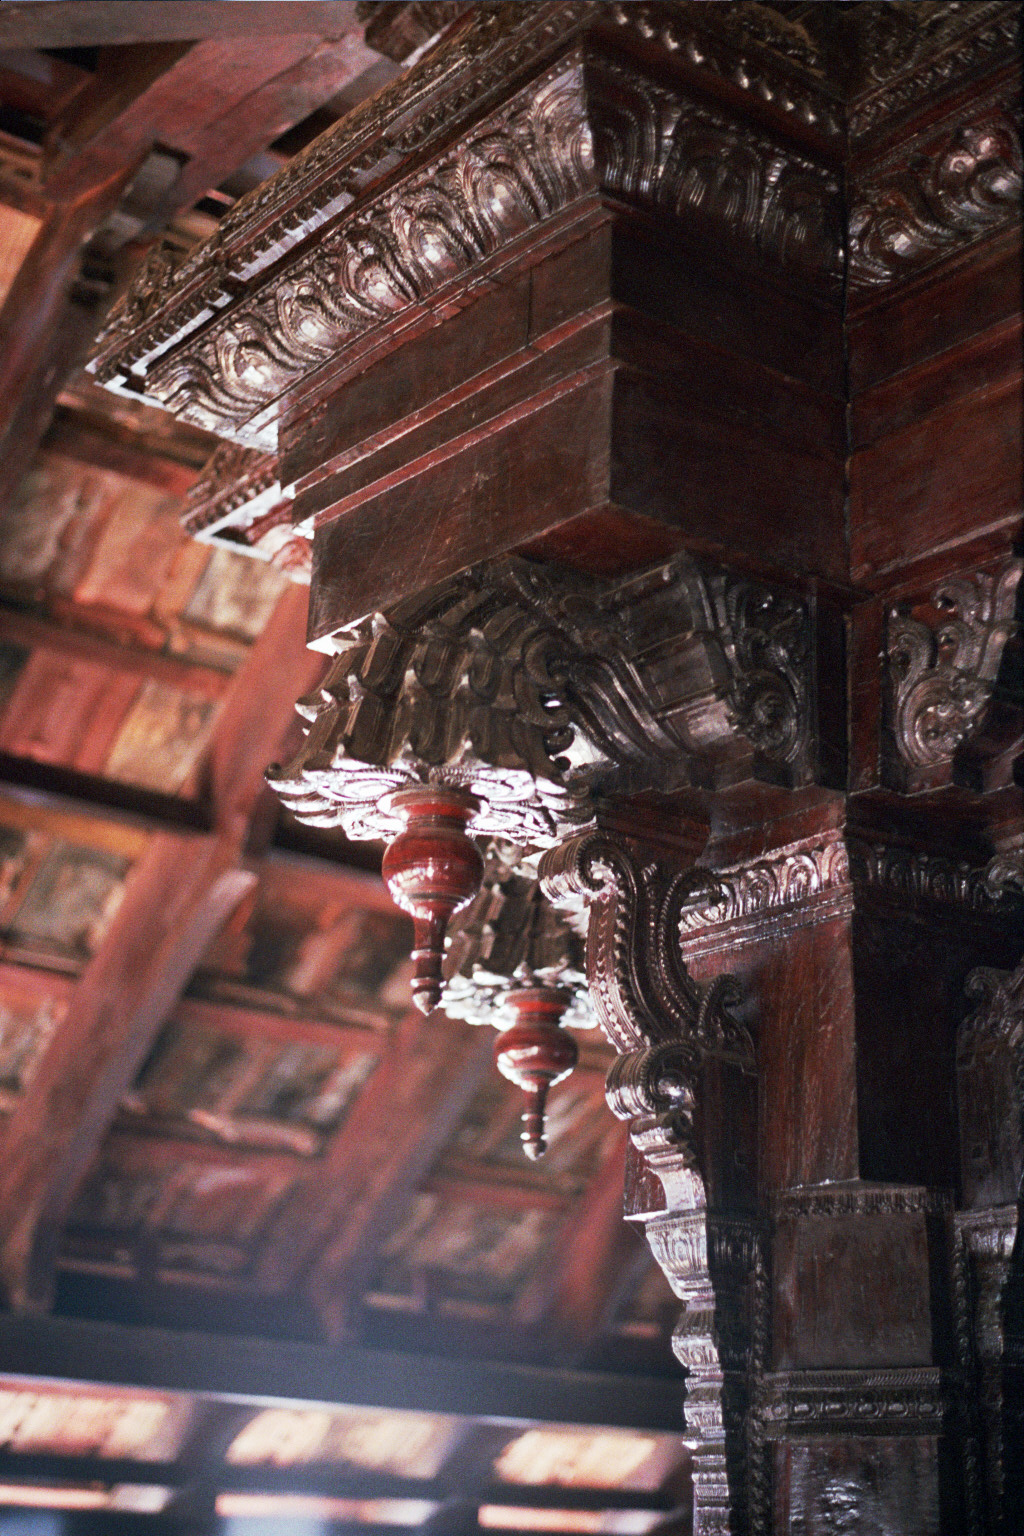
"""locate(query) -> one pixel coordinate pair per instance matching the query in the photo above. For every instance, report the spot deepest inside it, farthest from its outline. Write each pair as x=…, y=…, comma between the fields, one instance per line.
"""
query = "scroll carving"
x=941, y=675
x=950, y=193
x=674, y=1039
x=528, y=688
x=502, y=703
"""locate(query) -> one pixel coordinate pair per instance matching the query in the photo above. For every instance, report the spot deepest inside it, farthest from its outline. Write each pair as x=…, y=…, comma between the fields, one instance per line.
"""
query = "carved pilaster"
x=944, y=656
x=681, y=1047
x=987, y=1270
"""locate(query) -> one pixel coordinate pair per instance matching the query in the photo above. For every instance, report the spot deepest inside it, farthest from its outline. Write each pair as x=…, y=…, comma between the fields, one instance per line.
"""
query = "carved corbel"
x=682, y=1048
x=505, y=702
x=943, y=662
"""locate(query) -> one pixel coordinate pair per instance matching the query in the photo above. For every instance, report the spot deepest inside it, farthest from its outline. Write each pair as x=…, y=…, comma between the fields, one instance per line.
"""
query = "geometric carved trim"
x=792, y=1404
x=930, y=878
x=942, y=674
x=859, y=1199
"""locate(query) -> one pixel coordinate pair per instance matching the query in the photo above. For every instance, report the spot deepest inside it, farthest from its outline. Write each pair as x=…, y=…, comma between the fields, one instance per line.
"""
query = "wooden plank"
x=334, y=1224
x=133, y=661
x=68, y=24
x=177, y=896
x=270, y=1371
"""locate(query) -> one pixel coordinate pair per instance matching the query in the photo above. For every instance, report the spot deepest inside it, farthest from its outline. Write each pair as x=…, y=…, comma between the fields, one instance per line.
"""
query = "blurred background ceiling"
x=219, y=1116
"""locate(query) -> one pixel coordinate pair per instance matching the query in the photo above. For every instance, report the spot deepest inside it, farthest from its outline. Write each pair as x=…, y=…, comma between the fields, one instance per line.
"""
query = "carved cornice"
x=594, y=127
x=235, y=480
x=239, y=504
x=912, y=876
x=457, y=159
x=789, y=1404
x=526, y=688
x=791, y=878
x=858, y=1199
x=811, y=879
x=908, y=52
x=958, y=186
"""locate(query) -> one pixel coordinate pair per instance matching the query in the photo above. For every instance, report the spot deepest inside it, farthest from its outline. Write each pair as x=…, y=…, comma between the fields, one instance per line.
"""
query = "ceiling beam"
x=272, y=1371
x=323, y=1479
x=69, y=24
x=178, y=895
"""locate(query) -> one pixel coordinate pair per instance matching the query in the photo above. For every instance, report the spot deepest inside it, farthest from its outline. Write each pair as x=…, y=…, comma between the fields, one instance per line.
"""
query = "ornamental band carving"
x=581, y=130
x=948, y=193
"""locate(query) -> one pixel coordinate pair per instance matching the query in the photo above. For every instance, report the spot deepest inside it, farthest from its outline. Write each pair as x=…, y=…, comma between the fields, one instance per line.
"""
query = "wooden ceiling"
x=217, y=1109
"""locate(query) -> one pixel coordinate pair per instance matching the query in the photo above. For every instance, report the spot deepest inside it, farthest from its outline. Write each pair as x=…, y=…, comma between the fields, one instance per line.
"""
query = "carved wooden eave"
x=523, y=112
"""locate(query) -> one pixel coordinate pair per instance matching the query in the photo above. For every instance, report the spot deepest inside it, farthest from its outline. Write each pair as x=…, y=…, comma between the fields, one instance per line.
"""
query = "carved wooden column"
x=640, y=384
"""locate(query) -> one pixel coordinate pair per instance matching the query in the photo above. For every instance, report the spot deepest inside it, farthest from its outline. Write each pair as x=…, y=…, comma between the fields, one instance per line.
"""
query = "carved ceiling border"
x=967, y=37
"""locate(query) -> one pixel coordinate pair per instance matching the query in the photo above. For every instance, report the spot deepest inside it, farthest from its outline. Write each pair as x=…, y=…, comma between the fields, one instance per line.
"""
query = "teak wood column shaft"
x=648, y=387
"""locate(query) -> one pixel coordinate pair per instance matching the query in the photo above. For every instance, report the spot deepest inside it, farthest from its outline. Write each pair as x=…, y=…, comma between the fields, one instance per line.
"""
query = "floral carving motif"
x=941, y=678
x=526, y=687
x=949, y=192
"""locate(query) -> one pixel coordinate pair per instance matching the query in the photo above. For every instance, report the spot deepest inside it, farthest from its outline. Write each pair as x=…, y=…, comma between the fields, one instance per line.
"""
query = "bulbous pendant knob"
x=535, y=1053
x=432, y=869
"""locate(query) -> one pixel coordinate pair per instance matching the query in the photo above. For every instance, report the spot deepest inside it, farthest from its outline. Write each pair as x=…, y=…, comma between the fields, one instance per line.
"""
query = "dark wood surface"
x=686, y=386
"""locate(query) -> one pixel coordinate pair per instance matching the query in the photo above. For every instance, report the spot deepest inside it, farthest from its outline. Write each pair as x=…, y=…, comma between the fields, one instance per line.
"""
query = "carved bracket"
x=943, y=661
x=522, y=693
x=680, y=1044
